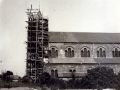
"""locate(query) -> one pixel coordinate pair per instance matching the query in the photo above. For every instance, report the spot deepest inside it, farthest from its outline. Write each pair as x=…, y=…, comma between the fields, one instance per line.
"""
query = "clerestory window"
x=85, y=52
x=116, y=52
x=101, y=52
x=54, y=52
x=69, y=52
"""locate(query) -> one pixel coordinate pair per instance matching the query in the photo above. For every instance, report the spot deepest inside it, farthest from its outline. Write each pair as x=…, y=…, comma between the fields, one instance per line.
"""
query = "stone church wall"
x=77, y=47
x=65, y=67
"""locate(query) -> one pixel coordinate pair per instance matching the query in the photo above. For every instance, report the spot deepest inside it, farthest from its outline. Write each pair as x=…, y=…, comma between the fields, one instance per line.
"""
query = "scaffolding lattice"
x=37, y=43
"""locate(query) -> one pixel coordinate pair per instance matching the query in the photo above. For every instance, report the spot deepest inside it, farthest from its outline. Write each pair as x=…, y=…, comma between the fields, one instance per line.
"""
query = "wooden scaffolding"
x=37, y=43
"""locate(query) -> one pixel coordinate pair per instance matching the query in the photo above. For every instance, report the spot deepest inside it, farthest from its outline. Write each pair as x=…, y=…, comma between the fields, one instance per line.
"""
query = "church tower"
x=37, y=43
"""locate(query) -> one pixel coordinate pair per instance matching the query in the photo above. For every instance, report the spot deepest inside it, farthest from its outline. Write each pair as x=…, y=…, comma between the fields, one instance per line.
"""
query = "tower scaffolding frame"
x=37, y=42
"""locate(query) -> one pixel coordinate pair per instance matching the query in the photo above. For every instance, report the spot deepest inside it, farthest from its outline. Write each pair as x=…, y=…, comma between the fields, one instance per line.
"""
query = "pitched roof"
x=81, y=37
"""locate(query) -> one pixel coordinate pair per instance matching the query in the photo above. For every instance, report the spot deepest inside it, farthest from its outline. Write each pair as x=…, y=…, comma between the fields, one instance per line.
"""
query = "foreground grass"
x=4, y=84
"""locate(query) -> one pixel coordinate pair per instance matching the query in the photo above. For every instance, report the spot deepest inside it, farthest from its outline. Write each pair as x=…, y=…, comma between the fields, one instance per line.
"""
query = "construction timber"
x=37, y=43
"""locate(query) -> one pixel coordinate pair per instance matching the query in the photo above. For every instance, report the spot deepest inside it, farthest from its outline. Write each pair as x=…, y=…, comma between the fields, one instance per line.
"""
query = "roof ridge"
x=84, y=32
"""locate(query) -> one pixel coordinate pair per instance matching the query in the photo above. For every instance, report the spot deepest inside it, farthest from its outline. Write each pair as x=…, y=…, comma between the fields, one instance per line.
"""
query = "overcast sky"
x=64, y=15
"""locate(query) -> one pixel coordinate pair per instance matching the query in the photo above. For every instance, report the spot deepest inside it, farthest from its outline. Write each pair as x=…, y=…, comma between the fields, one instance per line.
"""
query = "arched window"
x=69, y=52
x=54, y=73
x=116, y=52
x=101, y=52
x=54, y=52
x=85, y=52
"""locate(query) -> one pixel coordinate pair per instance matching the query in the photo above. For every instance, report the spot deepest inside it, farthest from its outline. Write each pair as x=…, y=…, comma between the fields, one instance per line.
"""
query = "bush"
x=44, y=78
x=26, y=79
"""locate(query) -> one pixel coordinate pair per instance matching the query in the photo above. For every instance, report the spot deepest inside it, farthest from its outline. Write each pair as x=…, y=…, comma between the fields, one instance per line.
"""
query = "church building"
x=76, y=52
x=67, y=53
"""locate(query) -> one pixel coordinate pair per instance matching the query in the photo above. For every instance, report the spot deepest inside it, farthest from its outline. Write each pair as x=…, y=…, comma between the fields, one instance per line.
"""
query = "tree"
x=99, y=77
x=26, y=79
x=54, y=83
x=118, y=80
x=71, y=82
x=6, y=76
x=62, y=84
x=44, y=78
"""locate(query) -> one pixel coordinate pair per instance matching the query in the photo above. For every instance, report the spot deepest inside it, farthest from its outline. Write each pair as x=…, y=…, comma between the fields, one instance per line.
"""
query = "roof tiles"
x=79, y=37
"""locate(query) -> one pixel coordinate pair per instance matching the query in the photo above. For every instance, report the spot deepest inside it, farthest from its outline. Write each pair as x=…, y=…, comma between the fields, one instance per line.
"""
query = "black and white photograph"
x=59, y=44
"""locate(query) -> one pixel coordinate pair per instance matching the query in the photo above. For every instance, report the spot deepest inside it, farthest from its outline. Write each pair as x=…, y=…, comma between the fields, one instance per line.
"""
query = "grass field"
x=19, y=88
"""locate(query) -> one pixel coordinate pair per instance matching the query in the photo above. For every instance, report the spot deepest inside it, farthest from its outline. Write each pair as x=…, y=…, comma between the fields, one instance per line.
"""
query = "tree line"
x=96, y=78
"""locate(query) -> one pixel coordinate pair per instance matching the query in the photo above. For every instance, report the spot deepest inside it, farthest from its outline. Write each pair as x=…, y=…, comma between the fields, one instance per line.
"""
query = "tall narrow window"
x=72, y=53
x=56, y=73
x=104, y=54
x=119, y=53
x=116, y=52
x=98, y=53
x=101, y=52
x=82, y=53
x=88, y=54
x=66, y=54
x=69, y=52
x=113, y=53
x=85, y=52
x=52, y=73
x=54, y=52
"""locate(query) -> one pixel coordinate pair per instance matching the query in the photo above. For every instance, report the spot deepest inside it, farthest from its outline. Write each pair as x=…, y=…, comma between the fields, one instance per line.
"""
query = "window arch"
x=53, y=52
x=85, y=52
x=116, y=52
x=101, y=52
x=69, y=52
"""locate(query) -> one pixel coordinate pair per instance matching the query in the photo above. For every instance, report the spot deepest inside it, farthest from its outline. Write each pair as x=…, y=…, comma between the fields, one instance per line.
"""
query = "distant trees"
x=96, y=78
x=6, y=76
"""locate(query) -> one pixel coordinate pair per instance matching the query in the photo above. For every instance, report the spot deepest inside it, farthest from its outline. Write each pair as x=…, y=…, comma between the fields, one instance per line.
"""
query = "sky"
x=63, y=15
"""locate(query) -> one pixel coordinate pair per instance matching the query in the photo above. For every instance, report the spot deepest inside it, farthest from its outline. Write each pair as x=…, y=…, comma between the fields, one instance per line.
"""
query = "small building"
x=15, y=78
